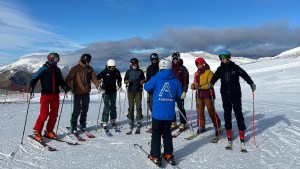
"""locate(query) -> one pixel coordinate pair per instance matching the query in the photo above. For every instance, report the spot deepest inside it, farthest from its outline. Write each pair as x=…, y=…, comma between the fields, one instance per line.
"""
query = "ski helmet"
x=111, y=62
x=86, y=58
x=134, y=60
x=199, y=61
x=176, y=54
x=154, y=56
x=165, y=64
x=53, y=57
x=224, y=54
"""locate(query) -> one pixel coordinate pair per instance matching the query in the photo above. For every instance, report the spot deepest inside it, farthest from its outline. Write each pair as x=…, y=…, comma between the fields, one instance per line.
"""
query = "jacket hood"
x=166, y=74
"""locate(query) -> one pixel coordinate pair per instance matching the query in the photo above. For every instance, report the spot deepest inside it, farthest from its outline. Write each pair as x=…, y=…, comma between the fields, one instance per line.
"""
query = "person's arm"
x=36, y=77
x=119, y=79
x=70, y=77
x=216, y=76
x=244, y=75
x=150, y=84
x=94, y=79
x=185, y=79
x=209, y=77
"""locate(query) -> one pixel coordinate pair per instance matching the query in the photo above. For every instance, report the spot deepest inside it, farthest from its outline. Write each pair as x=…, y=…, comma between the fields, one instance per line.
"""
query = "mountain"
x=18, y=74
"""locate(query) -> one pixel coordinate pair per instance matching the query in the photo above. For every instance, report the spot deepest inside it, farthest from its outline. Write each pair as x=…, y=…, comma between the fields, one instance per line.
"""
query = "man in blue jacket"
x=166, y=89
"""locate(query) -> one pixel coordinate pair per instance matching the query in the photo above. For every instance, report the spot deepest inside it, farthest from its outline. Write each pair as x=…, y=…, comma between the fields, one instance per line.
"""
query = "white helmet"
x=111, y=62
x=165, y=64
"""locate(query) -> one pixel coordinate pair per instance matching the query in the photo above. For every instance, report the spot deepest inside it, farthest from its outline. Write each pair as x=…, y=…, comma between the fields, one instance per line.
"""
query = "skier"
x=134, y=80
x=182, y=75
x=152, y=69
x=204, y=96
x=229, y=74
x=110, y=77
x=166, y=89
x=79, y=79
x=51, y=78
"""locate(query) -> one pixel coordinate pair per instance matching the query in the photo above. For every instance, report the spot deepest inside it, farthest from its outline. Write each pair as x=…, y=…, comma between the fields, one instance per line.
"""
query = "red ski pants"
x=47, y=101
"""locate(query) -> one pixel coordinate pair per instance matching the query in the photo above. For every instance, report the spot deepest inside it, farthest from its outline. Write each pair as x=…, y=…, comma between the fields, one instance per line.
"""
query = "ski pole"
x=184, y=118
x=253, y=123
x=191, y=120
x=123, y=113
x=62, y=105
x=217, y=124
x=148, y=119
x=119, y=106
x=30, y=97
x=101, y=99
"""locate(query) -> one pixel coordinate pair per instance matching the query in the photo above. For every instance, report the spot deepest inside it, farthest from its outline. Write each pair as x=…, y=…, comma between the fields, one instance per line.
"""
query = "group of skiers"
x=166, y=83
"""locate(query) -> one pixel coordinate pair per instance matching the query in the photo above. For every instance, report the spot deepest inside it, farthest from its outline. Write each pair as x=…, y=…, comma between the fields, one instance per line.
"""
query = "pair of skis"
x=229, y=146
x=137, y=130
x=79, y=138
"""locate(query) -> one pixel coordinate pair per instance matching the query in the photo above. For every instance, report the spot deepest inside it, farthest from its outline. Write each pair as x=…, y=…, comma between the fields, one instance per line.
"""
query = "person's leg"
x=54, y=105
x=156, y=138
x=106, y=109
x=138, y=102
x=167, y=137
x=227, y=106
x=44, y=111
x=85, y=109
x=130, y=114
x=212, y=112
x=113, y=108
x=237, y=108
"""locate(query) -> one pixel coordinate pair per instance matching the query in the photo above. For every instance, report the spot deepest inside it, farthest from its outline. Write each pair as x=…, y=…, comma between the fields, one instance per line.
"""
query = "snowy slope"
x=277, y=119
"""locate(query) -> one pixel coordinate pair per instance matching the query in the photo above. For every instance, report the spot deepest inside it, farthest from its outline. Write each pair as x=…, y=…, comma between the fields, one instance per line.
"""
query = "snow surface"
x=277, y=122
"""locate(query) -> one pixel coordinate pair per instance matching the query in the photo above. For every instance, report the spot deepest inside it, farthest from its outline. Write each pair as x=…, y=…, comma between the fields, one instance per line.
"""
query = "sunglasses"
x=176, y=58
x=111, y=67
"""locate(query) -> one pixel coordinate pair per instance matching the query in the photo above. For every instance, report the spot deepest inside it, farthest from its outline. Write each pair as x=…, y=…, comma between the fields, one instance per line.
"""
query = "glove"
x=253, y=87
x=198, y=87
x=66, y=89
x=193, y=87
x=210, y=85
x=120, y=89
x=142, y=82
x=101, y=91
x=126, y=81
x=31, y=90
x=183, y=95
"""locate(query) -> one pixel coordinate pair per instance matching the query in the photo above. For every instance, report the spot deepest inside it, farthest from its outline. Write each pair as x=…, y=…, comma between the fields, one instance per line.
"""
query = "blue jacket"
x=166, y=88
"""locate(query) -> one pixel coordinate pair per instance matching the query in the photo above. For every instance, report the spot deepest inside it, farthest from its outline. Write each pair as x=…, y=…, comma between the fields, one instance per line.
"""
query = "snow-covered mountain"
x=28, y=64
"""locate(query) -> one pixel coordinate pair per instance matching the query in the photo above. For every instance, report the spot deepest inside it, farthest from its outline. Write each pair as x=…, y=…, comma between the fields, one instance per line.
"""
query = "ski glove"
x=183, y=95
x=31, y=90
x=253, y=87
x=120, y=89
x=210, y=85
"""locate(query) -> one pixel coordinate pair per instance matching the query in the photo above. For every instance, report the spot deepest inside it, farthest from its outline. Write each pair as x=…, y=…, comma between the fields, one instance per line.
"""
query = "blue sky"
x=110, y=28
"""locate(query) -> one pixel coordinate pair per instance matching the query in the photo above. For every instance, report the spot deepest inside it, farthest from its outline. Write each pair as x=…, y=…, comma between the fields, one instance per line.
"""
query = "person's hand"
x=66, y=89
x=253, y=87
x=142, y=82
x=120, y=89
x=126, y=81
x=101, y=90
x=183, y=95
x=210, y=85
x=193, y=87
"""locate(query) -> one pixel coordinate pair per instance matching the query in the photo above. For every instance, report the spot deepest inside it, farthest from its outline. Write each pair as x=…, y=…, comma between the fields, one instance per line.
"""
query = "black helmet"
x=134, y=60
x=176, y=54
x=53, y=57
x=154, y=56
x=86, y=58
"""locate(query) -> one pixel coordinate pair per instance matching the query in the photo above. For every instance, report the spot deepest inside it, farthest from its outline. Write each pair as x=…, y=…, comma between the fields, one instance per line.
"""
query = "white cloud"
x=18, y=31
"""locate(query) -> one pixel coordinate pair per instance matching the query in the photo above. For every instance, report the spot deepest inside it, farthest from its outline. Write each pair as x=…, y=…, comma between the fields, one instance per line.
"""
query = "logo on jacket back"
x=166, y=89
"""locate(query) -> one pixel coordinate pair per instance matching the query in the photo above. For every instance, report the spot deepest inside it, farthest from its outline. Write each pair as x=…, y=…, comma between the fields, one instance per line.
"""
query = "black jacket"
x=151, y=71
x=136, y=79
x=50, y=77
x=229, y=74
x=110, y=79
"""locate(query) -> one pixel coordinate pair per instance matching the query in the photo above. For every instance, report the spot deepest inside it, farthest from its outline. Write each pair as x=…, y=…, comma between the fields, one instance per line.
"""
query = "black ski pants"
x=80, y=107
x=161, y=128
x=236, y=104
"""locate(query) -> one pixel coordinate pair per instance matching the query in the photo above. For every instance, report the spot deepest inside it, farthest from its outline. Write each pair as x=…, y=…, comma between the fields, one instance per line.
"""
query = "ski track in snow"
x=277, y=123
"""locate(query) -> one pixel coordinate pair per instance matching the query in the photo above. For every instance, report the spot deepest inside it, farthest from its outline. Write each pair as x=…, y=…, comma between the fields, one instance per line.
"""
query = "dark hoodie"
x=110, y=79
x=182, y=74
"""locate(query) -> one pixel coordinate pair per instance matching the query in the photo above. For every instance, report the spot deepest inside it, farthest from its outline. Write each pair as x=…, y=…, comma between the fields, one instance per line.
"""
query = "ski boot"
x=201, y=130
x=156, y=161
x=38, y=136
x=169, y=158
x=50, y=134
x=173, y=126
x=181, y=127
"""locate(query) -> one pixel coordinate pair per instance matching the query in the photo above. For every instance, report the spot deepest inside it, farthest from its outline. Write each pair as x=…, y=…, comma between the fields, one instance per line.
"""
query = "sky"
x=124, y=29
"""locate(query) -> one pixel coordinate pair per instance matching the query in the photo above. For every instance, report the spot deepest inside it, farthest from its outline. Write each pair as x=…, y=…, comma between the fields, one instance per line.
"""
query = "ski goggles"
x=223, y=56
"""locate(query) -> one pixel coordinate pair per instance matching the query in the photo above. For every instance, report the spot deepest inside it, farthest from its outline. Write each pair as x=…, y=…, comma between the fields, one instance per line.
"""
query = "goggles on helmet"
x=223, y=56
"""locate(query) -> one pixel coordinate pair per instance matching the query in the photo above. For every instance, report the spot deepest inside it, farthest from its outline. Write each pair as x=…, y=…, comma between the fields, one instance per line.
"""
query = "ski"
x=88, y=134
x=215, y=138
x=229, y=145
x=79, y=138
x=65, y=141
x=149, y=130
x=243, y=148
x=174, y=128
x=178, y=133
x=145, y=153
x=45, y=145
x=108, y=133
x=117, y=129
x=130, y=131
x=195, y=134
